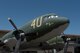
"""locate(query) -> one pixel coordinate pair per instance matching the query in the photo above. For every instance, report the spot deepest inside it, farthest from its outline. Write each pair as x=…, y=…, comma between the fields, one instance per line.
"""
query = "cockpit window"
x=49, y=17
x=53, y=16
x=46, y=18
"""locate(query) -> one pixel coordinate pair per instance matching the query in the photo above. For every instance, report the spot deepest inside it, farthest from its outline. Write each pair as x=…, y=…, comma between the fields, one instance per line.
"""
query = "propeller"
x=19, y=34
x=12, y=23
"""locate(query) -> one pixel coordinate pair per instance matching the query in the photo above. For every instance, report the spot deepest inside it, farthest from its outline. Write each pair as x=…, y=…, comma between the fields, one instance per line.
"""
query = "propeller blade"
x=17, y=46
x=12, y=23
x=20, y=36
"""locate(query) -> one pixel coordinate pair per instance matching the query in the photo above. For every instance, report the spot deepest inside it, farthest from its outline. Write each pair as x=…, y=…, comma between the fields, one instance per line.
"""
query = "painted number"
x=33, y=23
x=36, y=22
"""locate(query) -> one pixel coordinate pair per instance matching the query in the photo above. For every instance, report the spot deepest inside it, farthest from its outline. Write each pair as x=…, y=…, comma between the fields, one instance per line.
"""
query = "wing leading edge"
x=72, y=35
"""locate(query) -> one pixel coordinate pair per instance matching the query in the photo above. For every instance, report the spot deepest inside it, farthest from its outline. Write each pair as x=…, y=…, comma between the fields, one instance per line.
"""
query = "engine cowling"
x=19, y=34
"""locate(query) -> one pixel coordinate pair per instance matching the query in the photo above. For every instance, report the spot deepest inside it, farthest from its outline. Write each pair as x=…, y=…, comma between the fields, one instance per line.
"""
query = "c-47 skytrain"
x=35, y=33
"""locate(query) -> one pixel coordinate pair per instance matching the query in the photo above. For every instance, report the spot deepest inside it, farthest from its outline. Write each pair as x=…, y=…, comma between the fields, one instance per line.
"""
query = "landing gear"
x=66, y=46
x=66, y=43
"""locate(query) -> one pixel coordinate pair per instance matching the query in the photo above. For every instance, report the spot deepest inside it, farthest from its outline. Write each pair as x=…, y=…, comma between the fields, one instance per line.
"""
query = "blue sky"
x=21, y=11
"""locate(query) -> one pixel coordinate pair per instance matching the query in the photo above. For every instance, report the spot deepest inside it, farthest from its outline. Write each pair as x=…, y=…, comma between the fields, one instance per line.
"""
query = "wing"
x=72, y=35
x=3, y=32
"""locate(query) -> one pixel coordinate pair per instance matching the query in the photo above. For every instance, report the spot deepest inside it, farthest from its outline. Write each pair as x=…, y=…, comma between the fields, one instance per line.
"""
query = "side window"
x=45, y=18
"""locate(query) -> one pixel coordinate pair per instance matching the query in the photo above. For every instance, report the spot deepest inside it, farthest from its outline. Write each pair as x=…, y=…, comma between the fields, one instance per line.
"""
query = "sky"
x=22, y=11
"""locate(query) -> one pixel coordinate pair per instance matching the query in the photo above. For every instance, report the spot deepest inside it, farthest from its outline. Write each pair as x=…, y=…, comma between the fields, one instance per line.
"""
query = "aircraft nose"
x=64, y=20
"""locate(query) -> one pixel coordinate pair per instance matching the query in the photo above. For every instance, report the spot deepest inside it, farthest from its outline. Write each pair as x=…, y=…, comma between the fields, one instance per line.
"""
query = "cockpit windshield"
x=53, y=16
x=49, y=17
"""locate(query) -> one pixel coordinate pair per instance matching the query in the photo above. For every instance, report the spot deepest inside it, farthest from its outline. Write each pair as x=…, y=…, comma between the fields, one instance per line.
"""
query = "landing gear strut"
x=66, y=46
x=66, y=43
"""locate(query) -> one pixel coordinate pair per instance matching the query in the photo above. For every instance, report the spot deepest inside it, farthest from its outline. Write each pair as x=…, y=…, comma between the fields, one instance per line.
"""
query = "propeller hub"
x=22, y=34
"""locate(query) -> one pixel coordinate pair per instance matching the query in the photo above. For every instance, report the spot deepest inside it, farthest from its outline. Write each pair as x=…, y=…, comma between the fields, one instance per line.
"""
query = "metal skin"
x=55, y=40
x=39, y=30
x=56, y=43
